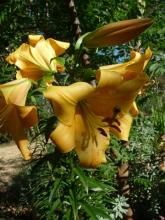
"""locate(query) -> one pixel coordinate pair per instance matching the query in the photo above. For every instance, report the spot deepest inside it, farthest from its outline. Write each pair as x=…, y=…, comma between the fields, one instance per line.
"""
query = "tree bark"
x=124, y=187
x=123, y=176
x=76, y=29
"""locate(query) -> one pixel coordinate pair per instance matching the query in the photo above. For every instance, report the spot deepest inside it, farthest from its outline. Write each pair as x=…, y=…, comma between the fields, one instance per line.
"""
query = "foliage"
x=57, y=187
x=68, y=191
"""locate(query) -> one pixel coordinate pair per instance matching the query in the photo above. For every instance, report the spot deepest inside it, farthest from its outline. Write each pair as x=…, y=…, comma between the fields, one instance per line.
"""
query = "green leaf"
x=80, y=41
x=101, y=213
x=89, y=210
x=73, y=202
x=55, y=188
x=95, y=185
x=60, y=60
x=82, y=177
x=68, y=215
x=53, y=207
x=94, y=212
x=48, y=77
x=33, y=100
x=154, y=66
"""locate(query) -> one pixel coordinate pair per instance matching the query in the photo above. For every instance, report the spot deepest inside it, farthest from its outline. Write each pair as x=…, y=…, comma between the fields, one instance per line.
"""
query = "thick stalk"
x=123, y=180
x=74, y=19
x=76, y=29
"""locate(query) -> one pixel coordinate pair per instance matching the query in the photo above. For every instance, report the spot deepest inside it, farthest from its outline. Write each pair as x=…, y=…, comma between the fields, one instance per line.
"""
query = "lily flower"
x=87, y=114
x=116, y=33
x=38, y=58
x=15, y=117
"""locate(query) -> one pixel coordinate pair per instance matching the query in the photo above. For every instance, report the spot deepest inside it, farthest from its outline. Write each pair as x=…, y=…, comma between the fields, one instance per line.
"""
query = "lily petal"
x=65, y=99
x=58, y=46
x=86, y=135
x=64, y=137
x=11, y=91
x=14, y=116
x=14, y=127
x=31, y=59
x=134, y=110
x=92, y=140
x=124, y=122
x=33, y=39
x=38, y=57
x=119, y=85
x=87, y=114
x=28, y=115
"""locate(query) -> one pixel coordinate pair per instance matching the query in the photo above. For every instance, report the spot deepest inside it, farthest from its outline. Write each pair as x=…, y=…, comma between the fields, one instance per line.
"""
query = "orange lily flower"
x=87, y=114
x=14, y=115
x=38, y=57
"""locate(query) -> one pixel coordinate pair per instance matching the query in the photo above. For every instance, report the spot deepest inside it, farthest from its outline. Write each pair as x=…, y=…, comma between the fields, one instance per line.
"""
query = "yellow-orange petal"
x=119, y=85
x=45, y=54
x=19, y=75
x=36, y=58
x=33, y=39
x=148, y=55
x=65, y=99
x=64, y=137
x=128, y=70
x=11, y=91
x=12, y=58
x=23, y=147
x=15, y=128
x=134, y=110
x=108, y=79
x=124, y=126
x=58, y=46
x=92, y=141
x=2, y=101
x=35, y=74
x=104, y=101
x=28, y=115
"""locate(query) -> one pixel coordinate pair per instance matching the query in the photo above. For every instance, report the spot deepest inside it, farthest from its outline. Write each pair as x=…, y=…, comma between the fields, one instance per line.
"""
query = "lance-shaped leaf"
x=37, y=58
x=116, y=33
x=14, y=115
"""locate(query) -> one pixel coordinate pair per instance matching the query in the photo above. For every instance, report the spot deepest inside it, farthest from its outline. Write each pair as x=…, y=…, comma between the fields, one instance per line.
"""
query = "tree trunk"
x=123, y=175
x=123, y=179
x=76, y=29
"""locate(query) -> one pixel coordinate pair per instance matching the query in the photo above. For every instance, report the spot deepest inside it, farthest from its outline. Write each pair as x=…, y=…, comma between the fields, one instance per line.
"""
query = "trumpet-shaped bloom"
x=38, y=57
x=14, y=115
x=87, y=114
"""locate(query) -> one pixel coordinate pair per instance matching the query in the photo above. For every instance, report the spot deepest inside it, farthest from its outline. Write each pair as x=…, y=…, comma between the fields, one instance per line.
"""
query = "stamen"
x=92, y=122
x=102, y=131
x=117, y=121
x=116, y=127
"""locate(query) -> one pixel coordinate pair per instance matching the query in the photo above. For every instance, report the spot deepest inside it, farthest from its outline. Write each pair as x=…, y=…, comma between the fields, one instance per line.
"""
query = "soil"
x=11, y=166
x=11, y=163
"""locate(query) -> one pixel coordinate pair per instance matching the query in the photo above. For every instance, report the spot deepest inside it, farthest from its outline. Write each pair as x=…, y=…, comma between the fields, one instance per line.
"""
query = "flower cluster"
x=87, y=112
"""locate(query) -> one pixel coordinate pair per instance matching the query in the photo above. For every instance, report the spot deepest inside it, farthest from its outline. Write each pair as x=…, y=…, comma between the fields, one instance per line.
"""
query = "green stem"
x=77, y=56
